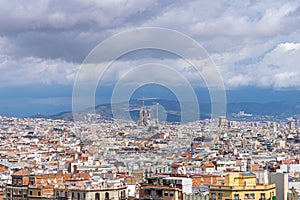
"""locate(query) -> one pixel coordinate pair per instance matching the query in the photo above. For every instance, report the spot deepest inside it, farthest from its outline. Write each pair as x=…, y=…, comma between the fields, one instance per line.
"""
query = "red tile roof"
x=22, y=172
x=208, y=164
x=85, y=176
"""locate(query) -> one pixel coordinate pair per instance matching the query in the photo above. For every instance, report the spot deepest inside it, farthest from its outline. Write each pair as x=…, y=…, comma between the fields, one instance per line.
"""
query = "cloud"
x=238, y=81
x=32, y=70
x=253, y=43
x=65, y=30
x=278, y=69
x=55, y=15
x=230, y=18
x=286, y=80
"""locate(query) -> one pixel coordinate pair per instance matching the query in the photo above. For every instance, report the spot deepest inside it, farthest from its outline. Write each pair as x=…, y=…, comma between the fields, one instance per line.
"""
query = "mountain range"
x=172, y=112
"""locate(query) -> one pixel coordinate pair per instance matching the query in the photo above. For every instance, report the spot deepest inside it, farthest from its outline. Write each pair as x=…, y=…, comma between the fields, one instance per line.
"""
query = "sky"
x=254, y=44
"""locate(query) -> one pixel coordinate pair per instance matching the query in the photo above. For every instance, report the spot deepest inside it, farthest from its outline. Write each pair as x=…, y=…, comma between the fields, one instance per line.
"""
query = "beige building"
x=114, y=193
x=227, y=165
x=241, y=186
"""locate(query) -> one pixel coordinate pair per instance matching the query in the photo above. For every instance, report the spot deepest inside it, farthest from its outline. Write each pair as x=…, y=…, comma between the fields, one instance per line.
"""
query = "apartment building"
x=241, y=186
x=17, y=189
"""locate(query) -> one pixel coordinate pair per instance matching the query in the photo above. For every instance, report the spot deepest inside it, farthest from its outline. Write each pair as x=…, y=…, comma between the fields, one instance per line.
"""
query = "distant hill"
x=276, y=109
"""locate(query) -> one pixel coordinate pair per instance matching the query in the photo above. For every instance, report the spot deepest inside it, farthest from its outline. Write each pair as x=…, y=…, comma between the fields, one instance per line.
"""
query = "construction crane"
x=143, y=99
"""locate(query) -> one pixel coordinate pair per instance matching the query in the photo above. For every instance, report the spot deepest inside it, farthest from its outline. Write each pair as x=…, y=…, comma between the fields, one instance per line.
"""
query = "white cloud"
x=289, y=46
x=254, y=43
x=286, y=80
x=31, y=70
x=238, y=81
x=278, y=69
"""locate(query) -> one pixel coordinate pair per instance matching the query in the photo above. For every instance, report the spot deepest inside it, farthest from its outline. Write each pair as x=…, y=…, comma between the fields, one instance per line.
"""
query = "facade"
x=69, y=186
x=145, y=115
x=18, y=188
x=240, y=186
x=41, y=186
x=40, y=193
x=91, y=188
x=223, y=123
x=160, y=192
x=115, y=193
x=282, y=185
x=227, y=165
x=208, y=167
x=167, y=188
x=202, y=179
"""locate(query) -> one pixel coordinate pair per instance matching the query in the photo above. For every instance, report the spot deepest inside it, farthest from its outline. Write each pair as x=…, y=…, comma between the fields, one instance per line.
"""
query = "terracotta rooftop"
x=85, y=176
x=209, y=164
x=22, y=172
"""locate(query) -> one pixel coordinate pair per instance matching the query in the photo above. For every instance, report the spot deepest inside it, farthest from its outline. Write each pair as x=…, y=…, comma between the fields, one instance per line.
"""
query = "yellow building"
x=241, y=186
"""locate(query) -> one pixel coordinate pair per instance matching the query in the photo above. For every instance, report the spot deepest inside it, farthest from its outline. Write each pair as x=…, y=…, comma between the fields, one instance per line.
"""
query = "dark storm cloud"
x=64, y=29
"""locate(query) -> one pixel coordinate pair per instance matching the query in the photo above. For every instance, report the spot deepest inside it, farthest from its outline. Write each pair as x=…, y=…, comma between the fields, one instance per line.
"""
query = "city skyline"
x=144, y=100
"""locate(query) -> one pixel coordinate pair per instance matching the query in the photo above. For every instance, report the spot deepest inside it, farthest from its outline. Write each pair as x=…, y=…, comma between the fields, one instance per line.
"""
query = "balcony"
x=241, y=188
x=152, y=197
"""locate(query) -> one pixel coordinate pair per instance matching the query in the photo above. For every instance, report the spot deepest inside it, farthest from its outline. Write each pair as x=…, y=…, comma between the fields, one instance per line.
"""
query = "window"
x=15, y=181
x=252, y=196
x=236, y=196
x=159, y=192
x=263, y=196
x=213, y=196
x=97, y=196
x=72, y=194
x=166, y=193
x=246, y=196
x=219, y=195
x=84, y=195
x=19, y=191
x=30, y=192
x=39, y=193
x=78, y=195
x=106, y=195
x=25, y=192
x=19, y=181
x=171, y=193
x=15, y=191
